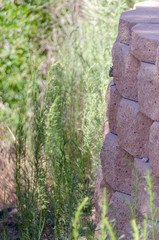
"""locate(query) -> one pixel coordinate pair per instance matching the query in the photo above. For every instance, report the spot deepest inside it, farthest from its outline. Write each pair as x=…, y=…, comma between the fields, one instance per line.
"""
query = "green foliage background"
x=32, y=34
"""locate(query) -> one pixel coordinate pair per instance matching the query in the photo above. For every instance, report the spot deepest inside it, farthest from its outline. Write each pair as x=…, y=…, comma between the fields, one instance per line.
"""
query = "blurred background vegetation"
x=55, y=57
x=33, y=34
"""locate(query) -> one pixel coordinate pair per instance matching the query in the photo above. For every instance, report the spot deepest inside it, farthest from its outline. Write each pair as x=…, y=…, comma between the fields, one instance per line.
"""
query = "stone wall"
x=132, y=130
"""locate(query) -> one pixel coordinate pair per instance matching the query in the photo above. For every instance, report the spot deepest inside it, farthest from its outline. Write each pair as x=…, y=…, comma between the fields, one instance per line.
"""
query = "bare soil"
x=8, y=226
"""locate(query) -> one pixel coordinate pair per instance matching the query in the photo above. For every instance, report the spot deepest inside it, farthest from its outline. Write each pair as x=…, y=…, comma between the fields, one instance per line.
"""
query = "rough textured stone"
x=154, y=148
x=125, y=70
x=116, y=170
x=120, y=210
x=98, y=195
x=106, y=130
x=144, y=42
x=133, y=17
x=112, y=99
x=139, y=196
x=133, y=129
x=157, y=60
x=149, y=230
x=140, y=188
x=147, y=5
x=97, y=232
x=128, y=227
x=148, y=97
x=133, y=106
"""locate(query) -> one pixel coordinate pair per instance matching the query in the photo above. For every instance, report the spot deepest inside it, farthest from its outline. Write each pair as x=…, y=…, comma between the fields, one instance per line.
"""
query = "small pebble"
x=112, y=83
x=145, y=159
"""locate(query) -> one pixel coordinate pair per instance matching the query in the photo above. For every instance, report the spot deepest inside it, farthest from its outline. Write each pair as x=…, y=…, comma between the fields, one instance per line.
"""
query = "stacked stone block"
x=131, y=135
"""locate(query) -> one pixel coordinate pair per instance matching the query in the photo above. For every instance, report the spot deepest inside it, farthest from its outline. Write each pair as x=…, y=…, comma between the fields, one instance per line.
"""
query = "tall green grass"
x=59, y=141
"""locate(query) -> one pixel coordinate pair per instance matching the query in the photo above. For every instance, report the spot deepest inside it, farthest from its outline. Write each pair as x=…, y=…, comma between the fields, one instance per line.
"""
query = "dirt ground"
x=8, y=226
x=7, y=170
